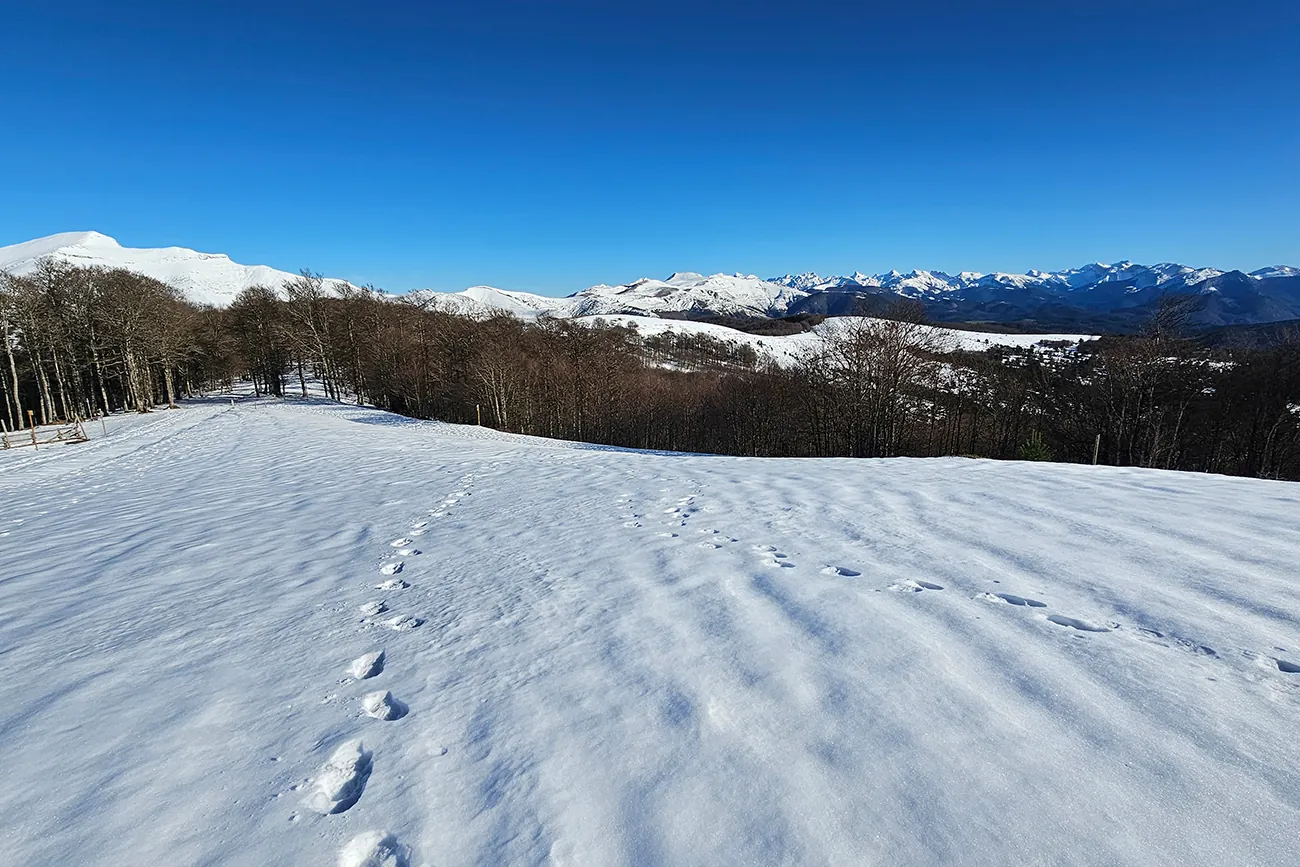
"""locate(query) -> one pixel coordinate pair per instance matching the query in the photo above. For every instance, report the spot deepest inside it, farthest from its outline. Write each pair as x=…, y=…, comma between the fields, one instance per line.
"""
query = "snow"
x=789, y=349
x=212, y=278
x=1275, y=271
x=726, y=294
x=203, y=278
x=633, y=658
x=933, y=284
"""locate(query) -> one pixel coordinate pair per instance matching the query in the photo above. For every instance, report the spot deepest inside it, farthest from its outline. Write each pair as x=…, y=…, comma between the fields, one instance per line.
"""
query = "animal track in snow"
x=909, y=585
x=391, y=568
x=339, y=783
x=408, y=552
x=710, y=546
x=1012, y=599
x=374, y=849
x=400, y=543
x=416, y=532
x=842, y=571
x=667, y=535
x=372, y=609
x=419, y=525
x=1075, y=623
x=403, y=623
x=392, y=584
x=367, y=665
x=382, y=705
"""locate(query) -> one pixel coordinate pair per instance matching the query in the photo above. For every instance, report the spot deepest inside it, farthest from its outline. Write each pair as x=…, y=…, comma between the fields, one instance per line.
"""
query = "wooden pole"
x=478, y=410
x=31, y=422
x=1096, y=450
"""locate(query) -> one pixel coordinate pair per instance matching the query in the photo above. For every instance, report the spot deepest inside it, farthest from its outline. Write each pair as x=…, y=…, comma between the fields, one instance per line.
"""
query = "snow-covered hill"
x=685, y=292
x=600, y=657
x=788, y=349
x=1074, y=297
x=204, y=278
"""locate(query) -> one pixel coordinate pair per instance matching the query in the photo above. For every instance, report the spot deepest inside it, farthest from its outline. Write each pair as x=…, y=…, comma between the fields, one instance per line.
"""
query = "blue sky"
x=546, y=146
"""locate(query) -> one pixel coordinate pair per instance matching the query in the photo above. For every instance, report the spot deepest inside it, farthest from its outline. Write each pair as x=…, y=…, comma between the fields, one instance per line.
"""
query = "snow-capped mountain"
x=1095, y=296
x=923, y=284
x=682, y=293
x=204, y=278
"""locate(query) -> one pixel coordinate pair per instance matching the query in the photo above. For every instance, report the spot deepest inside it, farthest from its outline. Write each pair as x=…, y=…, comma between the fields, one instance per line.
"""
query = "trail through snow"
x=595, y=656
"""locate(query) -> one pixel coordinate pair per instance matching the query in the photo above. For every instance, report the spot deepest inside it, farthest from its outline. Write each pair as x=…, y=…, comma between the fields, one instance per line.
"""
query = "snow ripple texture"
x=938, y=662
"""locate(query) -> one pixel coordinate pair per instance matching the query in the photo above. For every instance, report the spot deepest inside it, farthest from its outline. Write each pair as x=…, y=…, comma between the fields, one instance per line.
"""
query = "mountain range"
x=1097, y=296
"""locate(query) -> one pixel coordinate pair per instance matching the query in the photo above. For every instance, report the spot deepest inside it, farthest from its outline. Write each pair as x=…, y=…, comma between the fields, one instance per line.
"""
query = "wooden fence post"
x=31, y=422
x=1096, y=450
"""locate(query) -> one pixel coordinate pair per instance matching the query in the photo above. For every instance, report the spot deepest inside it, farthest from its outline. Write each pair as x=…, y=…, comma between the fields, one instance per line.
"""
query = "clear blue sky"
x=546, y=146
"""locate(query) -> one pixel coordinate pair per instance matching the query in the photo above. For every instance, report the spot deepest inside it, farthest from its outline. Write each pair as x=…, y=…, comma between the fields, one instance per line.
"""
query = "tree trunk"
x=13, y=373
x=170, y=385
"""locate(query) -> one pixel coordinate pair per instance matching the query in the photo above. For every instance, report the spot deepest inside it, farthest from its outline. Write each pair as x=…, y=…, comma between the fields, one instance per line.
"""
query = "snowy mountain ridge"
x=1265, y=295
x=920, y=284
x=204, y=278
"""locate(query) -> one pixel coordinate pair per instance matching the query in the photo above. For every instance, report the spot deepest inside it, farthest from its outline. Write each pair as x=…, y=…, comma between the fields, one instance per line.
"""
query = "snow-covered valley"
x=596, y=656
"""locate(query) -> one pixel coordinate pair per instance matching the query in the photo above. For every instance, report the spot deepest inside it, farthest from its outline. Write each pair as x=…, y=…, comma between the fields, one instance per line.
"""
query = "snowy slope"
x=631, y=658
x=790, y=348
x=488, y=300
x=204, y=278
x=724, y=294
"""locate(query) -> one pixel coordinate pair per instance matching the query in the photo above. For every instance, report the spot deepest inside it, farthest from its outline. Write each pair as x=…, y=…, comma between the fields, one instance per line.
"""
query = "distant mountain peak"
x=204, y=278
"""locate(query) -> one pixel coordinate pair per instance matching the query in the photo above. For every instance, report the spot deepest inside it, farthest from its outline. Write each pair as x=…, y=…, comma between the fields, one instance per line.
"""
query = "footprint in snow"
x=667, y=535
x=381, y=705
x=392, y=584
x=416, y=532
x=1075, y=623
x=1169, y=640
x=1287, y=667
x=403, y=623
x=1012, y=599
x=372, y=609
x=408, y=552
x=908, y=585
x=711, y=546
x=374, y=849
x=391, y=568
x=368, y=665
x=340, y=782
x=842, y=571
x=400, y=543
x=419, y=525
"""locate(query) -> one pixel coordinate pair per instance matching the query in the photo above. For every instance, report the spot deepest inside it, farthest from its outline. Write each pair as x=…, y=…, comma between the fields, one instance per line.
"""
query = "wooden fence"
x=34, y=436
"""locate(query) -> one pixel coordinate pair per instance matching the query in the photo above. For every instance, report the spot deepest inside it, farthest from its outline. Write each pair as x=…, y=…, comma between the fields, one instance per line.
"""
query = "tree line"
x=81, y=342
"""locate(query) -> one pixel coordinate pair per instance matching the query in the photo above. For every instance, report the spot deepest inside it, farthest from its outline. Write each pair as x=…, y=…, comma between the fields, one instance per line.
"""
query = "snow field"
x=629, y=658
